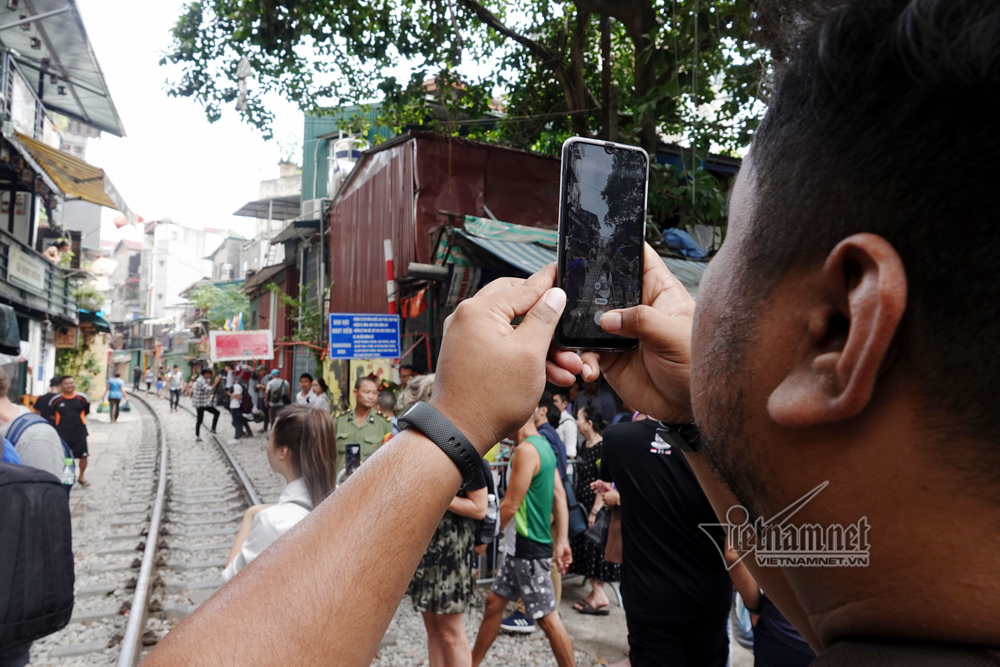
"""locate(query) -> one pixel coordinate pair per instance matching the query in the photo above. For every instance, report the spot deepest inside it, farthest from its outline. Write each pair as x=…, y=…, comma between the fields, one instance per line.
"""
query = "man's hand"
x=655, y=377
x=564, y=555
x=490, y=375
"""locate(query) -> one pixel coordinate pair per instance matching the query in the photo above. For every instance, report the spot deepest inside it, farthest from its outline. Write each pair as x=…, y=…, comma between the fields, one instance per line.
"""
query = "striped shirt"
x=201, y=396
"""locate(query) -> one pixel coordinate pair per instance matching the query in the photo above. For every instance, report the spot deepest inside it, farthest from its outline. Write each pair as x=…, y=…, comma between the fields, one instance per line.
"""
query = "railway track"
x=158, y=545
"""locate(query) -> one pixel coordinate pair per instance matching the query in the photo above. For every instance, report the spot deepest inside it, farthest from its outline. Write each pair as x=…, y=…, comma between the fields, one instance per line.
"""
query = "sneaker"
x=197, y=438
x=518, y=622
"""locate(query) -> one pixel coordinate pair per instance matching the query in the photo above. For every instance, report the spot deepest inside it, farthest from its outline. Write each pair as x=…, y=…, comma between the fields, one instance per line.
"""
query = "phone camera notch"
x=609, y=148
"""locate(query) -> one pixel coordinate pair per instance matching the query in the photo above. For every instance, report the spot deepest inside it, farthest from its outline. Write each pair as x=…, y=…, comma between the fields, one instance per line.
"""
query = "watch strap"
x=427, y=419
x=685, y=437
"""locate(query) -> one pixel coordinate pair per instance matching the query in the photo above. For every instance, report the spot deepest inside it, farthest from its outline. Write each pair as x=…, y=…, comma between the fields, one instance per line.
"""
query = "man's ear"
x=849, y=328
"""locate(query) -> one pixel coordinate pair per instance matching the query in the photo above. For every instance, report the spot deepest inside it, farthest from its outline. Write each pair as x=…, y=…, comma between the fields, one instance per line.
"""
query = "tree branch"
x=491, y=20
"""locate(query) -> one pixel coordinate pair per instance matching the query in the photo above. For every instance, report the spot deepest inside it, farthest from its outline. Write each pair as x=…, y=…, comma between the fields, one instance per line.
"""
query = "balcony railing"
x=28, y=280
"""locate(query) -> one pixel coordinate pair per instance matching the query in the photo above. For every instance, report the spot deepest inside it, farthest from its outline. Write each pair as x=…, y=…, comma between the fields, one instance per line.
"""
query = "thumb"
x=641, y=322
x=540, y=322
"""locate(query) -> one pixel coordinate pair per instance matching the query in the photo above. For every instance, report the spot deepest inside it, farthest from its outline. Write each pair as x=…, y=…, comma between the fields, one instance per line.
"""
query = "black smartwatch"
x=685, y=437
x=425, y=418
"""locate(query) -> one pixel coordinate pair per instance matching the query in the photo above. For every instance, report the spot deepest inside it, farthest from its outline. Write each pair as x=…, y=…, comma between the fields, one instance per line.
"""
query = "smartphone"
x=602, y=227
x=352, y=458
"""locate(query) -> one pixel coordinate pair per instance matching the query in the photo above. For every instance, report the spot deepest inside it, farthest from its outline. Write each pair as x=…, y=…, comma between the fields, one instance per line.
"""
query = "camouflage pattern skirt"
x=445, y=578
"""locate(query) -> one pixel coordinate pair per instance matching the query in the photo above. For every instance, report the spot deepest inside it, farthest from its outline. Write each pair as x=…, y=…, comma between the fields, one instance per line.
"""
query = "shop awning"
x=264, y=275
x=531, y=257
x=70, y=175
x=99, y=323
x=297, y=229
x=276, y=208
x=50, y=44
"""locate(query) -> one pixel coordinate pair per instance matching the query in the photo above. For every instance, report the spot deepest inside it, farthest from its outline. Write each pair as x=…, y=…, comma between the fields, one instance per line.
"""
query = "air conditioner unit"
x=312, y=209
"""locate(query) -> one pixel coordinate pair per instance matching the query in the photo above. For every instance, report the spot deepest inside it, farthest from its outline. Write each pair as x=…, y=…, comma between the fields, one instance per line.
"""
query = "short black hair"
x=56, y=381
x=551, y=413
x=386, y=399
x=881, y=115
x=408, y=367
x=360, y=381
x=206, y=371
x=306, y=376
x=563, y=393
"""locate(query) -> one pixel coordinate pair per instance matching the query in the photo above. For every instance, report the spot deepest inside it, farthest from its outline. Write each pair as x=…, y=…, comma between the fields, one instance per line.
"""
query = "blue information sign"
x=364, y=336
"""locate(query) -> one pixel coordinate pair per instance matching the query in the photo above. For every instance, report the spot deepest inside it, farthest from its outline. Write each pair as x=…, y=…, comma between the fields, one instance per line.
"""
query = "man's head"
x=274, y=373
x=560, y=398
x=386, y=402
x=844, y=331
x=206, y=373
x=117, y=374
x=68, y=384
x=365, y=392
x=405, y=373
x=546, y=411
x=591, y=387
x=176, y=368
x=305, y=382
x=55, y=384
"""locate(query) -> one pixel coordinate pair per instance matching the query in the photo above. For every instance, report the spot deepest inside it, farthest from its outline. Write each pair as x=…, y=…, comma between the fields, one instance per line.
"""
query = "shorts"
x=529, y=579
x=79, y=448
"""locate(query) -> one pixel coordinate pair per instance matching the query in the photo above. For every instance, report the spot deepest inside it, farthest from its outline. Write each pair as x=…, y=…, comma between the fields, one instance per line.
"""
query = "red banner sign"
x=241, y=345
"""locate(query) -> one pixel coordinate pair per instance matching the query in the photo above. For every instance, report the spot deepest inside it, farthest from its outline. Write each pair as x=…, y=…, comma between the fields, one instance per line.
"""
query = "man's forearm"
x=507, y=512
x=560, y=511
x=299, y=598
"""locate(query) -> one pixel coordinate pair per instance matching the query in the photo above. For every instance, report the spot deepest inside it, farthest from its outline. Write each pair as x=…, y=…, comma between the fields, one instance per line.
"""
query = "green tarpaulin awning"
x=101, y=324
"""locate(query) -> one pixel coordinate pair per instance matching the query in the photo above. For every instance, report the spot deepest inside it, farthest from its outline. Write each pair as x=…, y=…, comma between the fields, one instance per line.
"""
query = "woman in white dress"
x=302, y=449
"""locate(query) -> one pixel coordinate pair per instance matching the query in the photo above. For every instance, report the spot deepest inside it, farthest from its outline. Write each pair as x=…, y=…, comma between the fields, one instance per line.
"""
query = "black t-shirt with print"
x=71, y=417
x=43, y=406
x=673, y=572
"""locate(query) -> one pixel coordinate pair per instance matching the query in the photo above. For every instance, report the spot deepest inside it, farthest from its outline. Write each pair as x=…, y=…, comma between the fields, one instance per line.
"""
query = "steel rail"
x=248, y=491
x=131, y=644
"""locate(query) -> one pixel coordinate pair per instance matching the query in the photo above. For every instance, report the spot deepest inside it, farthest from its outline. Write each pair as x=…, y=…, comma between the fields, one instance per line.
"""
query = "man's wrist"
x=481, y=442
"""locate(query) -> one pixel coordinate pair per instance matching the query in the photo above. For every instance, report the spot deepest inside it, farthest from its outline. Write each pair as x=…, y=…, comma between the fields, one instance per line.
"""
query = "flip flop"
x=84, y=484
x=584, y=607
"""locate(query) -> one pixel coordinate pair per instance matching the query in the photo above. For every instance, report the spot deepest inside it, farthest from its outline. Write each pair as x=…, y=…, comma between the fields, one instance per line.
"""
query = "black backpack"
x=246, y=400
x=36, y=579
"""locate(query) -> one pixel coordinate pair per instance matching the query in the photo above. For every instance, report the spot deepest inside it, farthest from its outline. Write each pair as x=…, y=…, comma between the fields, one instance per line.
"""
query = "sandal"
x=84, y=484
x=585, y=607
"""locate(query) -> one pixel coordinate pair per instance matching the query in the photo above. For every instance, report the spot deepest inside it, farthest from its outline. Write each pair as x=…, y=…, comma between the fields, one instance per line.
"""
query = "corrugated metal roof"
x=63, y=51
x=530, y=257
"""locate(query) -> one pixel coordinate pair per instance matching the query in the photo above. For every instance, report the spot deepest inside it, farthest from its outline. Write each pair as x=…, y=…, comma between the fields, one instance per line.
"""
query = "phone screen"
x=352, y=456
x=602, y=223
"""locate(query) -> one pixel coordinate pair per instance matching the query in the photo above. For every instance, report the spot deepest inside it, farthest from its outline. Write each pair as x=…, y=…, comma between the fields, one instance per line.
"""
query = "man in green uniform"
x=362, y=424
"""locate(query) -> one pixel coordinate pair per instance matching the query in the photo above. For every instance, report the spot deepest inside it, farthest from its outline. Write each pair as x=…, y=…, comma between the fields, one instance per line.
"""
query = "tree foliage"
x=80, y=362
x=678, y=68
x=219, y=304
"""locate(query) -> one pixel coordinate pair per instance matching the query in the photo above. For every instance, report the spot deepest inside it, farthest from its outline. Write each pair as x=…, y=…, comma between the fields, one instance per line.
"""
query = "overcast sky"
x=173, y=163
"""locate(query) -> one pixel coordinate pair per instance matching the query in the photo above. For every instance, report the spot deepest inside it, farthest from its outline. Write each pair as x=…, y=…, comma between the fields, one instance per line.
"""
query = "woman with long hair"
x=320, y=400
x=588, y=558
x=302, y=449
x=443, y=585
